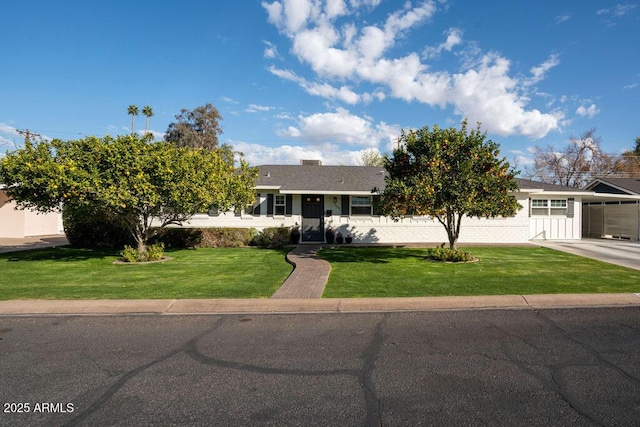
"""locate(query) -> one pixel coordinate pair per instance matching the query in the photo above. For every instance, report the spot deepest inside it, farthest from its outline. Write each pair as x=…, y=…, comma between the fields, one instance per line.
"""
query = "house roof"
x=321, y=179
x=627, y=185
x=310, y=179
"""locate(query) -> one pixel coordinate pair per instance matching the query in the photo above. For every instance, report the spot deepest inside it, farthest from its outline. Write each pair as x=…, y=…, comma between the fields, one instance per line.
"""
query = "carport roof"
x=628, y=185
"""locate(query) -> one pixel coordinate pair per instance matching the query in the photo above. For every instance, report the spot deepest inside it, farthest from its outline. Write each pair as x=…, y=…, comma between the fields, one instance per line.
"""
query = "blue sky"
x=311, y=79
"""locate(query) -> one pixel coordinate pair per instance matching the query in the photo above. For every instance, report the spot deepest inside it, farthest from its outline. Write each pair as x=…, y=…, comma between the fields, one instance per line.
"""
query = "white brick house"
x=315, y=197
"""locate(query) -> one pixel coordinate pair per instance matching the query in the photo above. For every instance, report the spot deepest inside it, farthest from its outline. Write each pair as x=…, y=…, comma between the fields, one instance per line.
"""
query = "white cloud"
x=5, y=128
x=631, y=86
x=484, y=91
x=454, y=38
x=589, y=111
x=255, y=108
x=229, y=100
x=270, y=51
x=562, y=18
x=538, y=72
x=325, y=90
x=329, y=154
x=341, y=127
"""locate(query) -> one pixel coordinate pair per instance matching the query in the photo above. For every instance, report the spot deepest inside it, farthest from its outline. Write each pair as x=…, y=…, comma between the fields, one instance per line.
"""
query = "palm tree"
x=148, y=112
x=133, y=110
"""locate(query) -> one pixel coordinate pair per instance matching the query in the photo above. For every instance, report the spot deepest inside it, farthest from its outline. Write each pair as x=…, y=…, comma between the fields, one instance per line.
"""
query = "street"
x=471, y=367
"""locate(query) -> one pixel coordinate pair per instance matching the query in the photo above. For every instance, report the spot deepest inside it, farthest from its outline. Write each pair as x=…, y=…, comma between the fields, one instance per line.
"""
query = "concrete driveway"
x=13, y=245
x=619, y=252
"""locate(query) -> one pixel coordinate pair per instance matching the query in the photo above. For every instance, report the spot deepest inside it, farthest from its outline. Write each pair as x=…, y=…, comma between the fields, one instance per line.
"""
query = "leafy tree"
x=575, y=165
x=196, y=129
x=147, y=112
x=448, y=174
x=132, y=111
x=137, y=181
x=371, y=157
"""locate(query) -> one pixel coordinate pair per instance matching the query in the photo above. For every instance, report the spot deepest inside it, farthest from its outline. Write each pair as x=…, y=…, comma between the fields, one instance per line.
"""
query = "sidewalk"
x=312, y=305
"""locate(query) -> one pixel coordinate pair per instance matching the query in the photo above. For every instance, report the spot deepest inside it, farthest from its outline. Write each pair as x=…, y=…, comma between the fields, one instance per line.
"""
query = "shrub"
x=154, y=253
x=88, y=226
x=449, y=255
x=178, y=238
x=273, y=237
x=130, y=254
x=227, y=237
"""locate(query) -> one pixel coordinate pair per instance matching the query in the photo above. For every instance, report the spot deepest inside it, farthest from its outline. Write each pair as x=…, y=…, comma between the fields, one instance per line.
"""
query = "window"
x=280, y=205
x=539, y=207
x=554, y=207
x=360, y=205
x=558, y=207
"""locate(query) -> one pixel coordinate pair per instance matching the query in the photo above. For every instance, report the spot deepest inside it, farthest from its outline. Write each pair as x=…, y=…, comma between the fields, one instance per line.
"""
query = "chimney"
x=311, y=162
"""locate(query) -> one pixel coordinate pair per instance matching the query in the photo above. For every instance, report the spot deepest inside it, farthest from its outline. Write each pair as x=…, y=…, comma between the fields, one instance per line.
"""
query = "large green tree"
x=129, y=177
x=196, y=129
x=448, y=174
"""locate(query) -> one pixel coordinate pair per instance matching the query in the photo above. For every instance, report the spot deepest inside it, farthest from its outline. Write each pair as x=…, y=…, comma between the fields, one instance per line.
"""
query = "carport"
x=613, y=216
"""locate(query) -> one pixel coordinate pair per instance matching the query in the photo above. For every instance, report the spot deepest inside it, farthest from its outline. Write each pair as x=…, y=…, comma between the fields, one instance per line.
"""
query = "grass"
x=65, y=273
x=404, y=272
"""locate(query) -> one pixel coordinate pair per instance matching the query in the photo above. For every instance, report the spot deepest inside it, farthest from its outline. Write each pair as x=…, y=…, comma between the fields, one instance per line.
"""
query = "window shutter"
x=529, y=207
x=288, y=204
x=345, y=205
x=269, y=204
x=376, y=202
x=570, y=207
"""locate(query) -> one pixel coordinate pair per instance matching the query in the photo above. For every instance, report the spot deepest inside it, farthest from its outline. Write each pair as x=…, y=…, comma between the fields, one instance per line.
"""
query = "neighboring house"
x=315, y=197
x=614, y=210
x=19, y=223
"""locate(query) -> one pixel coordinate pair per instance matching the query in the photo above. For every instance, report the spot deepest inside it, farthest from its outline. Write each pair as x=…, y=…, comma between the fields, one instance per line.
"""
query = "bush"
x=449, y=255
x=227, y=237
x=178, y=238
x=217, y=237
x=88, y=226
x=154, y=253
x=273, y=237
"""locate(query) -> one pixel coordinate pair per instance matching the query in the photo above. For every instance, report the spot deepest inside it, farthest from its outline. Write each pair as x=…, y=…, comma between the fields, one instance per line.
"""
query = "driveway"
x=37, y=242
x=619, y=252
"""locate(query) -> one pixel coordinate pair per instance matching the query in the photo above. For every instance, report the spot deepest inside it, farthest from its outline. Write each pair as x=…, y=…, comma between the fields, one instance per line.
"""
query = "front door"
x=312, y=218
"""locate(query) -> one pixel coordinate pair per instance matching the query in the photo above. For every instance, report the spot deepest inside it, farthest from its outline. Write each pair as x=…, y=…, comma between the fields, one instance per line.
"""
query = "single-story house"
x=314, y=197
x=614, y=210
x=20, y=223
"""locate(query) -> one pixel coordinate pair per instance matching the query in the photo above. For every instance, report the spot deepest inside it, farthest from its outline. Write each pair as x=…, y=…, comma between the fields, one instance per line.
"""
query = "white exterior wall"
x=557, y=227
x=377, y=229
x=19, y=223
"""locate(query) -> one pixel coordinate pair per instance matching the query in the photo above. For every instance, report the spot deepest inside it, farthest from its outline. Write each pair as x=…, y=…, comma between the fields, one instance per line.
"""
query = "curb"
x=319, y=305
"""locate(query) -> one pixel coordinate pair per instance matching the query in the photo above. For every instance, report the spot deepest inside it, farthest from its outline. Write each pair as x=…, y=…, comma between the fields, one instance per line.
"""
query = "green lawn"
x=65, y=273
x=404, y=272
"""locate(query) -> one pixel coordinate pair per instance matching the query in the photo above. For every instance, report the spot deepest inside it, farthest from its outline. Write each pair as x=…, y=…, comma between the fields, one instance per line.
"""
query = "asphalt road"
x=485, y=367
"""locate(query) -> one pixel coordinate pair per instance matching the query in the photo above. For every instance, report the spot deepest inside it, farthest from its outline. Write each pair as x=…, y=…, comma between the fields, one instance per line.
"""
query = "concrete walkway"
x=309, y=277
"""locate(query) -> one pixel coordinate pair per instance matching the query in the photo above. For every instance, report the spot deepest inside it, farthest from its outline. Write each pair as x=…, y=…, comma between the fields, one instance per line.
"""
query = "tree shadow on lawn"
x=370, y=255
x=62, y=254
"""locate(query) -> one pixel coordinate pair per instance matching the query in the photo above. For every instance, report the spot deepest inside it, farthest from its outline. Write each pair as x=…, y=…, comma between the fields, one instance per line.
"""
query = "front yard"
x=403, y=272
x=65, y=273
